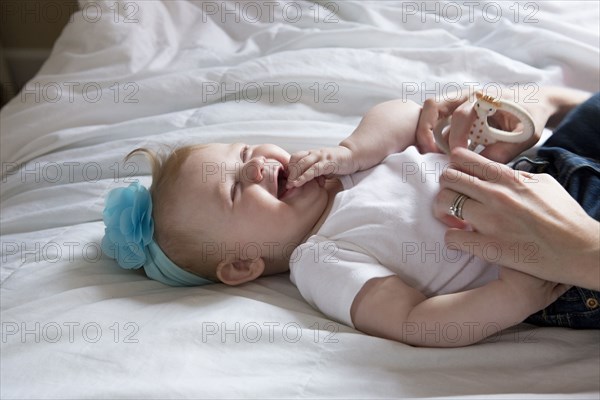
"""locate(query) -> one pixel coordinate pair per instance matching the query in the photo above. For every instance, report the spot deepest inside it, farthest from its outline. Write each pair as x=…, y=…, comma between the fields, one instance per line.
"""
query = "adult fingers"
x=491, y=197
x=463, y=118
x=472, y=210
x=503, y=152
x=475, y=165
x=479, y=245
x=457, y=181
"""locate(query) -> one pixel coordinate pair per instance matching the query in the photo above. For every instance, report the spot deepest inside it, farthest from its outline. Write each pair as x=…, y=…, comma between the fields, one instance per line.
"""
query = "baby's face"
x=238, y=192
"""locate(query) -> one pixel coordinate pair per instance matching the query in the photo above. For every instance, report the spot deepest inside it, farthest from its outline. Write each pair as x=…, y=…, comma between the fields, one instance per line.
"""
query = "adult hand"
x=320, y=163
x=520, y=220
x=463, y=117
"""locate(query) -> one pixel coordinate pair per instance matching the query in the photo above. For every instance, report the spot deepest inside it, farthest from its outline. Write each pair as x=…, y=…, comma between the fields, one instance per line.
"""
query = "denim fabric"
x=572, y=157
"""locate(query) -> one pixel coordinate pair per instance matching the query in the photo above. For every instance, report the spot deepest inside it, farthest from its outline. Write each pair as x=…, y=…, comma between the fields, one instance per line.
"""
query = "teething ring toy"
x=481, y=132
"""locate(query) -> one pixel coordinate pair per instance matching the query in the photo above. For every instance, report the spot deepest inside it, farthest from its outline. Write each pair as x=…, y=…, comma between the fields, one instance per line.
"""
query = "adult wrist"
x=562, y=100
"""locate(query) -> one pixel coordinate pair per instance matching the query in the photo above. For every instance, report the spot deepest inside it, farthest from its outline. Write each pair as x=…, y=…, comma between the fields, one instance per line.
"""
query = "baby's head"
x=221, y=211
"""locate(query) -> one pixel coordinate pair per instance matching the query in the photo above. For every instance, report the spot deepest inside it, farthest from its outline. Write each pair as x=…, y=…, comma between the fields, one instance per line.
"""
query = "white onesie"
x=382, y=224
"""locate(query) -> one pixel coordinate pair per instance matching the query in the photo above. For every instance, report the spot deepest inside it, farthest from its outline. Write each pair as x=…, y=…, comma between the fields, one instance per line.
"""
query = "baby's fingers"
x=301, y=172
x=297, y=156
x=314, y=170
x=559, y=290
x=427, y=119
x=299, y=164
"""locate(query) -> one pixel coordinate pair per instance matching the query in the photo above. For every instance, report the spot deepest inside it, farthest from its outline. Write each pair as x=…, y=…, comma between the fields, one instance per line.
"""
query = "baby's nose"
x=253, y=171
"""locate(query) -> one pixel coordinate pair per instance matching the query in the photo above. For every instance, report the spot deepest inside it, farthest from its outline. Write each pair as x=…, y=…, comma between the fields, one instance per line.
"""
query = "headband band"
x=128, y=237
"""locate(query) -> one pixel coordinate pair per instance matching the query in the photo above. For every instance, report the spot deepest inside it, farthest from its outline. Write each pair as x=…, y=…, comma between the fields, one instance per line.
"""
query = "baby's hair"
x=164, y=162
x=182, y=244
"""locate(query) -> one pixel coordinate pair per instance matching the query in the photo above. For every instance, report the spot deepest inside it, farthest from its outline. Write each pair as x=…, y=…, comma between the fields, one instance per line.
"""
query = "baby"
x=352, y=223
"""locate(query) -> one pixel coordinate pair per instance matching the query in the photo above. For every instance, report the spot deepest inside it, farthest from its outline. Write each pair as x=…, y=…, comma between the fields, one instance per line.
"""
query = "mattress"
x=125, y=74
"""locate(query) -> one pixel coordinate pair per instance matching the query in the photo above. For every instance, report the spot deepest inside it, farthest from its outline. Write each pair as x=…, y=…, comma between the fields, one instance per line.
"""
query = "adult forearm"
x=561, y=100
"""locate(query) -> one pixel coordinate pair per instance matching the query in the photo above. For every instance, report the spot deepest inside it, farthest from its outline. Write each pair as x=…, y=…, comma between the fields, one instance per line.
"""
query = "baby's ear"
x=240, y=271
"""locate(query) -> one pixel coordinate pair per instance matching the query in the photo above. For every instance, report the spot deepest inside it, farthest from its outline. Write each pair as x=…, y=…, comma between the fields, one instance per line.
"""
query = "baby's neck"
x=333, y=187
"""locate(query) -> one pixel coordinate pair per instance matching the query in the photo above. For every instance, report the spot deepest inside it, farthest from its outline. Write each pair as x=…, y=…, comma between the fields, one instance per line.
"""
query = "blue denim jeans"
x=572, y=157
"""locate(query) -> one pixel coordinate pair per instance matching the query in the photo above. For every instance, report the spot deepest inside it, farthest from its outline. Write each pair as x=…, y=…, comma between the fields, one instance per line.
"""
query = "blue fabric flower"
x=129, y=225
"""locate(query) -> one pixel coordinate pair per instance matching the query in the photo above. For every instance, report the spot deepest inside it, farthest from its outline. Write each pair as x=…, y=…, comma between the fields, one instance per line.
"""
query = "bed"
x=125, y=74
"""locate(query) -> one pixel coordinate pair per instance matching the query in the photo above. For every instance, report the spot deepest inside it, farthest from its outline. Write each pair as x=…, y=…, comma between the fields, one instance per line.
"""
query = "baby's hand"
x=535, y=294
x=463, y=116
x=326, y=162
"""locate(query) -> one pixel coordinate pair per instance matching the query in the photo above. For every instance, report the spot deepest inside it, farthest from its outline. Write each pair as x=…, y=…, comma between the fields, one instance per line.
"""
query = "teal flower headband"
x=128, y=237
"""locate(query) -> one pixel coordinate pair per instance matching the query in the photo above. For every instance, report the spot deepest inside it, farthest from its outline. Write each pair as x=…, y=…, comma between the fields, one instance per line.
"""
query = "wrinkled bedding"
x=128, y=74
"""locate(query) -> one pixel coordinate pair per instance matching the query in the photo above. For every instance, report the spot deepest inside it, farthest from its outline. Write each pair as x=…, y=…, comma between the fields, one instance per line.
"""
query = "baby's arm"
x=386, y=128
x=387, y=307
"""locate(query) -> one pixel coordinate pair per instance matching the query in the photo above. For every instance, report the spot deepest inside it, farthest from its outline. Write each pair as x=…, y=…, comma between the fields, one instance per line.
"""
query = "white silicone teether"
x=481, y=132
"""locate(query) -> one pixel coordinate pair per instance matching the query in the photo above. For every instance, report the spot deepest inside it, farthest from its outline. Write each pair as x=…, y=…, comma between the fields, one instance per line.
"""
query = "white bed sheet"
x=74, y=325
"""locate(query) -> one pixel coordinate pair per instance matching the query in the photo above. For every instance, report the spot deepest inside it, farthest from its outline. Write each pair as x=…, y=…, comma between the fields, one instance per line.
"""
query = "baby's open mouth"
x=281, y=181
